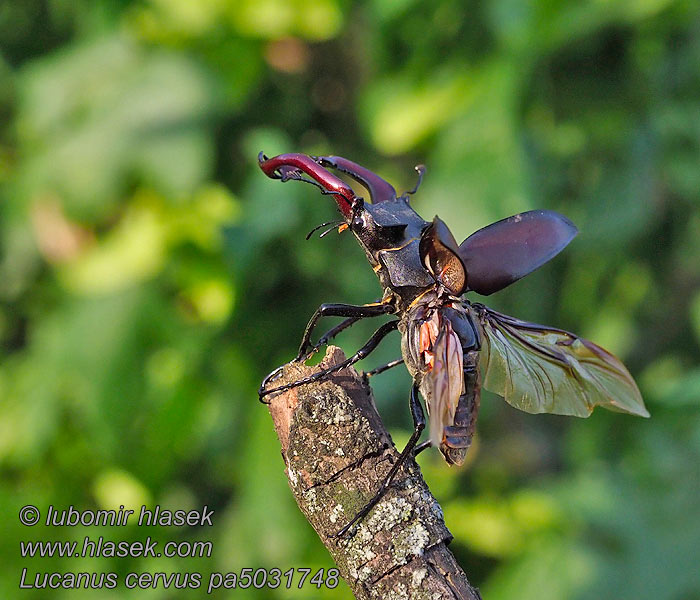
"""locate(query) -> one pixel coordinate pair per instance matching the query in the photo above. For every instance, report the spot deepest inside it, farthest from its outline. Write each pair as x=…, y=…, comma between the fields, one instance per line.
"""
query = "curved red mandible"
x=292, y=165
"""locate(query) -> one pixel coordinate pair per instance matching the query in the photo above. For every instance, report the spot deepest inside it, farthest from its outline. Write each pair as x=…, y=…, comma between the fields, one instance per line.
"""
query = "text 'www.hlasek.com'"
x=150, y=547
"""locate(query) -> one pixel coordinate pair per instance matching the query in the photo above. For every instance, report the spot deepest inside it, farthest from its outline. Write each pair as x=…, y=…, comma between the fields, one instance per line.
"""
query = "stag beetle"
x=448, y=343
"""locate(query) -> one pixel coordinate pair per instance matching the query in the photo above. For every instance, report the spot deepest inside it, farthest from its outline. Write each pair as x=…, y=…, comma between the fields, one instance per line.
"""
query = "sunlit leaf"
x=114, y=488
x=212, y=299
x=402, y=113
x=314, y=19
x=132, y=252
x=486, y=526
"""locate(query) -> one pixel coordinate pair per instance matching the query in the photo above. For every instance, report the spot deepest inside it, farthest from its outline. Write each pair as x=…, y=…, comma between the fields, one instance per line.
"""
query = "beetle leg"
x=271, y=377
x=331, y=333
x=377, y=370
x=419, y=424
x=371, y=344
x=323, y=310
x=374, y=309
x=422, y=446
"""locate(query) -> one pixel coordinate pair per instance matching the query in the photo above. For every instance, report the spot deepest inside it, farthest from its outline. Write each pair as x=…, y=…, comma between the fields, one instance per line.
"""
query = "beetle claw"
x=262, y=392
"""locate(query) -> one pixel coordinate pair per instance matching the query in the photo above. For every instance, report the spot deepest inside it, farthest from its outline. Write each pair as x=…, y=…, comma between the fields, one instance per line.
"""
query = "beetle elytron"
x=447, y=342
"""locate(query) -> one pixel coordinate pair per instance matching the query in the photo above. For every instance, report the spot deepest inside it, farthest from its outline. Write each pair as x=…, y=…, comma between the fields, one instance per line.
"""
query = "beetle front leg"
x=371, y=344
x=332, y=332
x=375, y=309
x=354, y=314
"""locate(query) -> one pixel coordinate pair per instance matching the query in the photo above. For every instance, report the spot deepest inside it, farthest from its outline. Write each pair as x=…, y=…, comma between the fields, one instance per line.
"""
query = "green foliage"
x=150, y=275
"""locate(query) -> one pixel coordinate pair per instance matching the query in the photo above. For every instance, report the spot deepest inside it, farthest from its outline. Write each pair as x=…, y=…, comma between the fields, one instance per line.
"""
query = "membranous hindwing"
x=539, y=369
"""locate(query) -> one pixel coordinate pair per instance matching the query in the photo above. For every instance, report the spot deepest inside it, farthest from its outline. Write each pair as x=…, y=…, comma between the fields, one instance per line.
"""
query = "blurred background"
x=150, y=275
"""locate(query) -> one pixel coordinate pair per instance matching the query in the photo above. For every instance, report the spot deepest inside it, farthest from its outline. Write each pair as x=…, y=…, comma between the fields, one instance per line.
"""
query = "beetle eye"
x=359, y=222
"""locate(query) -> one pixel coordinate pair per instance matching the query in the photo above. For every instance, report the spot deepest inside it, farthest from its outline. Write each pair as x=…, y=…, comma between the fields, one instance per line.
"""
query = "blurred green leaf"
x=401, y=113
x=117, y=113
x=313, y=19
x=116, y=488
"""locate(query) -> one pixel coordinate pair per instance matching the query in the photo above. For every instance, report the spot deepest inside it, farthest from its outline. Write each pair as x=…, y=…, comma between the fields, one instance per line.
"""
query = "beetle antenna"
x=332, y=224
x=332, y=227
x=421, y=171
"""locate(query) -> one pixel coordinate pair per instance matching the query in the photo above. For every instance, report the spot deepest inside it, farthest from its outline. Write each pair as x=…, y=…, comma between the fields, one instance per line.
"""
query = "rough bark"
x=337, y=452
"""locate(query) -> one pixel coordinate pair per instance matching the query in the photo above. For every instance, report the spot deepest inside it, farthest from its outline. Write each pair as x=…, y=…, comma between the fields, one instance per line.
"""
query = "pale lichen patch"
x=418, y=576
x=291, y=473
x=364, y=535
x=311, y=500
x=389, y=513
x=365, y=573
x=336, y=513
x=339, y=415
x=412, y=541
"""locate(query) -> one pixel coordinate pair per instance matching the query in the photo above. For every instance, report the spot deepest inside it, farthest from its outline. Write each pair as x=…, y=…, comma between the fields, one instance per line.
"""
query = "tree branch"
x=337, y=452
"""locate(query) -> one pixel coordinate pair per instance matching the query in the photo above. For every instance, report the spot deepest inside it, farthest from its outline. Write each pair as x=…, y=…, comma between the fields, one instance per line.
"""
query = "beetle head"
x=413, y=252
x=386, y=225
x=405, y=250
x=386, y=222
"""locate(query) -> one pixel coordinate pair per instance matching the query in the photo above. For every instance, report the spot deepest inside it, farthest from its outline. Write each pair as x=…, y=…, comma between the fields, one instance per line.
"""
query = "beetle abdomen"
x=458, y=437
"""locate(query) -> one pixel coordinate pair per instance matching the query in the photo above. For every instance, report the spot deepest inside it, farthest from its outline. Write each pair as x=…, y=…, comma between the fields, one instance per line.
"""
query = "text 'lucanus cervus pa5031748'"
x=451, y=346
